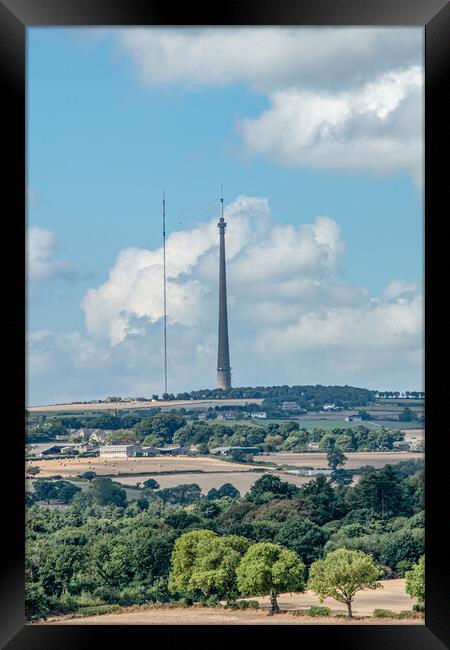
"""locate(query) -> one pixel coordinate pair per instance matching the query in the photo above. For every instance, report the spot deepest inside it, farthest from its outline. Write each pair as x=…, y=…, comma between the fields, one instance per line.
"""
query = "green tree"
x=228, y=490
x=163, y=425
x=328, y=442
x=113, y=560
x=106, y=492
x=302, y=536
x=336, y=458
x=121, y=437
x=239, y=455
x=415, y=581
x=184, y=494
x=32, y=470
x=269, y=486
x=379, y=490
x=36, y=601
x=322, y=501
x=153, y=440
x=270, y=569
x=207, y=509
x=342, y=477
x=151, y=484
x=202, y=562
x=407, y=415
x=89, y=475
x=61, y=491
x=341, y=574
x=213, y=494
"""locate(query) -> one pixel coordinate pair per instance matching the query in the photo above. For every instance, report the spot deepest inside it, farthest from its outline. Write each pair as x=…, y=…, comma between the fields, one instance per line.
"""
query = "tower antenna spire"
x=223, y=352
x=165, y=296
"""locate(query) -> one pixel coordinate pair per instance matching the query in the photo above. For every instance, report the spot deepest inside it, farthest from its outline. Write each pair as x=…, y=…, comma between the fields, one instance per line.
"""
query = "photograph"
x=225, y=401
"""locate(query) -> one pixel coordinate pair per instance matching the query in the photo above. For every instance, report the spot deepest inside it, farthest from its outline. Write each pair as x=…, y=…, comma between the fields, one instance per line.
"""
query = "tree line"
x=103, y=550
x=163, y=429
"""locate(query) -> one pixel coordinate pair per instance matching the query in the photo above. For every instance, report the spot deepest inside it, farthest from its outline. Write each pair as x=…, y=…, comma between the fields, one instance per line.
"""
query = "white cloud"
x=266, y=58
x=134, y=288
x=346, y=99
x=354, y=130
x=43, y=262
x=293, y=319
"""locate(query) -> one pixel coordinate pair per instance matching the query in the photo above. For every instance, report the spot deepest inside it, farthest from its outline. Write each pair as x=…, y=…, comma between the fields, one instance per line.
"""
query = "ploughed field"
x=318, y=460
x=392, y=597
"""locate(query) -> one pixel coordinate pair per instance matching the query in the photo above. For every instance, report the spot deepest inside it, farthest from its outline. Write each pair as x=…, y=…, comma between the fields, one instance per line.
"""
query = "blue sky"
x=113, y=119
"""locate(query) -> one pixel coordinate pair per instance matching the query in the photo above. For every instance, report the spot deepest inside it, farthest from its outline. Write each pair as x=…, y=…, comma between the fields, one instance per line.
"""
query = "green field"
x=309, y=425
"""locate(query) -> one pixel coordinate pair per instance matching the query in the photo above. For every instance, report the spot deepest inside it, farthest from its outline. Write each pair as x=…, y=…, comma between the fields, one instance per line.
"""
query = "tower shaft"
x=223, y=352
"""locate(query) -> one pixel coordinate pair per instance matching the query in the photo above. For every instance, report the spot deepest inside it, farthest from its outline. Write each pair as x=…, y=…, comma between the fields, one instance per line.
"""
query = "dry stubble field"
x=241, y=480
x=206, y=472
x=392, y=597
x=318, y=460
x=73, y=466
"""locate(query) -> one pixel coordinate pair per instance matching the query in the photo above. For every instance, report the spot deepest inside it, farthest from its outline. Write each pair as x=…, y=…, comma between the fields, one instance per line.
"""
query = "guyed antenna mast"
x=165, y=296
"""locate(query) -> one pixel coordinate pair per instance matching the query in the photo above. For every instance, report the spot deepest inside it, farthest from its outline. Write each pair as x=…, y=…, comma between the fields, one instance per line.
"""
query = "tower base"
x=224, y=379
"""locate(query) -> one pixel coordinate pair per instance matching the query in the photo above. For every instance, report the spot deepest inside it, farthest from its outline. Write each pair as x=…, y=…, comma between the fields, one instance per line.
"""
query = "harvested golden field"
x=392, y=597
x=242, y=481
x=74, y=466
x=318, y=460
x=127, y=406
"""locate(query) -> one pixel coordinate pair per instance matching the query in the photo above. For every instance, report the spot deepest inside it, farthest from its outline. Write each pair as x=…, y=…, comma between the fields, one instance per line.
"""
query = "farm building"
x=42, y=450
x=163, y=451
x=117, y=451
x=310, y=472
x=51, y=450
x=172, y=451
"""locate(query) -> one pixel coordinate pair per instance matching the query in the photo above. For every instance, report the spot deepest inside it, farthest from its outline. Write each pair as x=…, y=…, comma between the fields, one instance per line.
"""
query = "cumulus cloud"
x=265, y=261
x=346, y=99
x=42, y=254
x=375, y=127
x=266, y=58
x=293, y=318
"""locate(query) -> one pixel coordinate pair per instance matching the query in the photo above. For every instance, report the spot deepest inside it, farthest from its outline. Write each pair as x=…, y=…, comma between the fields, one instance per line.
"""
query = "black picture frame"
x=433, y=15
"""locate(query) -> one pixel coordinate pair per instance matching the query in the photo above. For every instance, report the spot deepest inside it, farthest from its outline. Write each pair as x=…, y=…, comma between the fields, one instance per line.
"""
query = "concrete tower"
x=223, y=352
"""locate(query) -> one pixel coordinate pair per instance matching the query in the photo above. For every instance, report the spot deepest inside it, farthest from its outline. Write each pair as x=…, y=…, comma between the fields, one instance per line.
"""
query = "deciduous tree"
x=341, y=574
x=270, y=569
x=415, y=581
